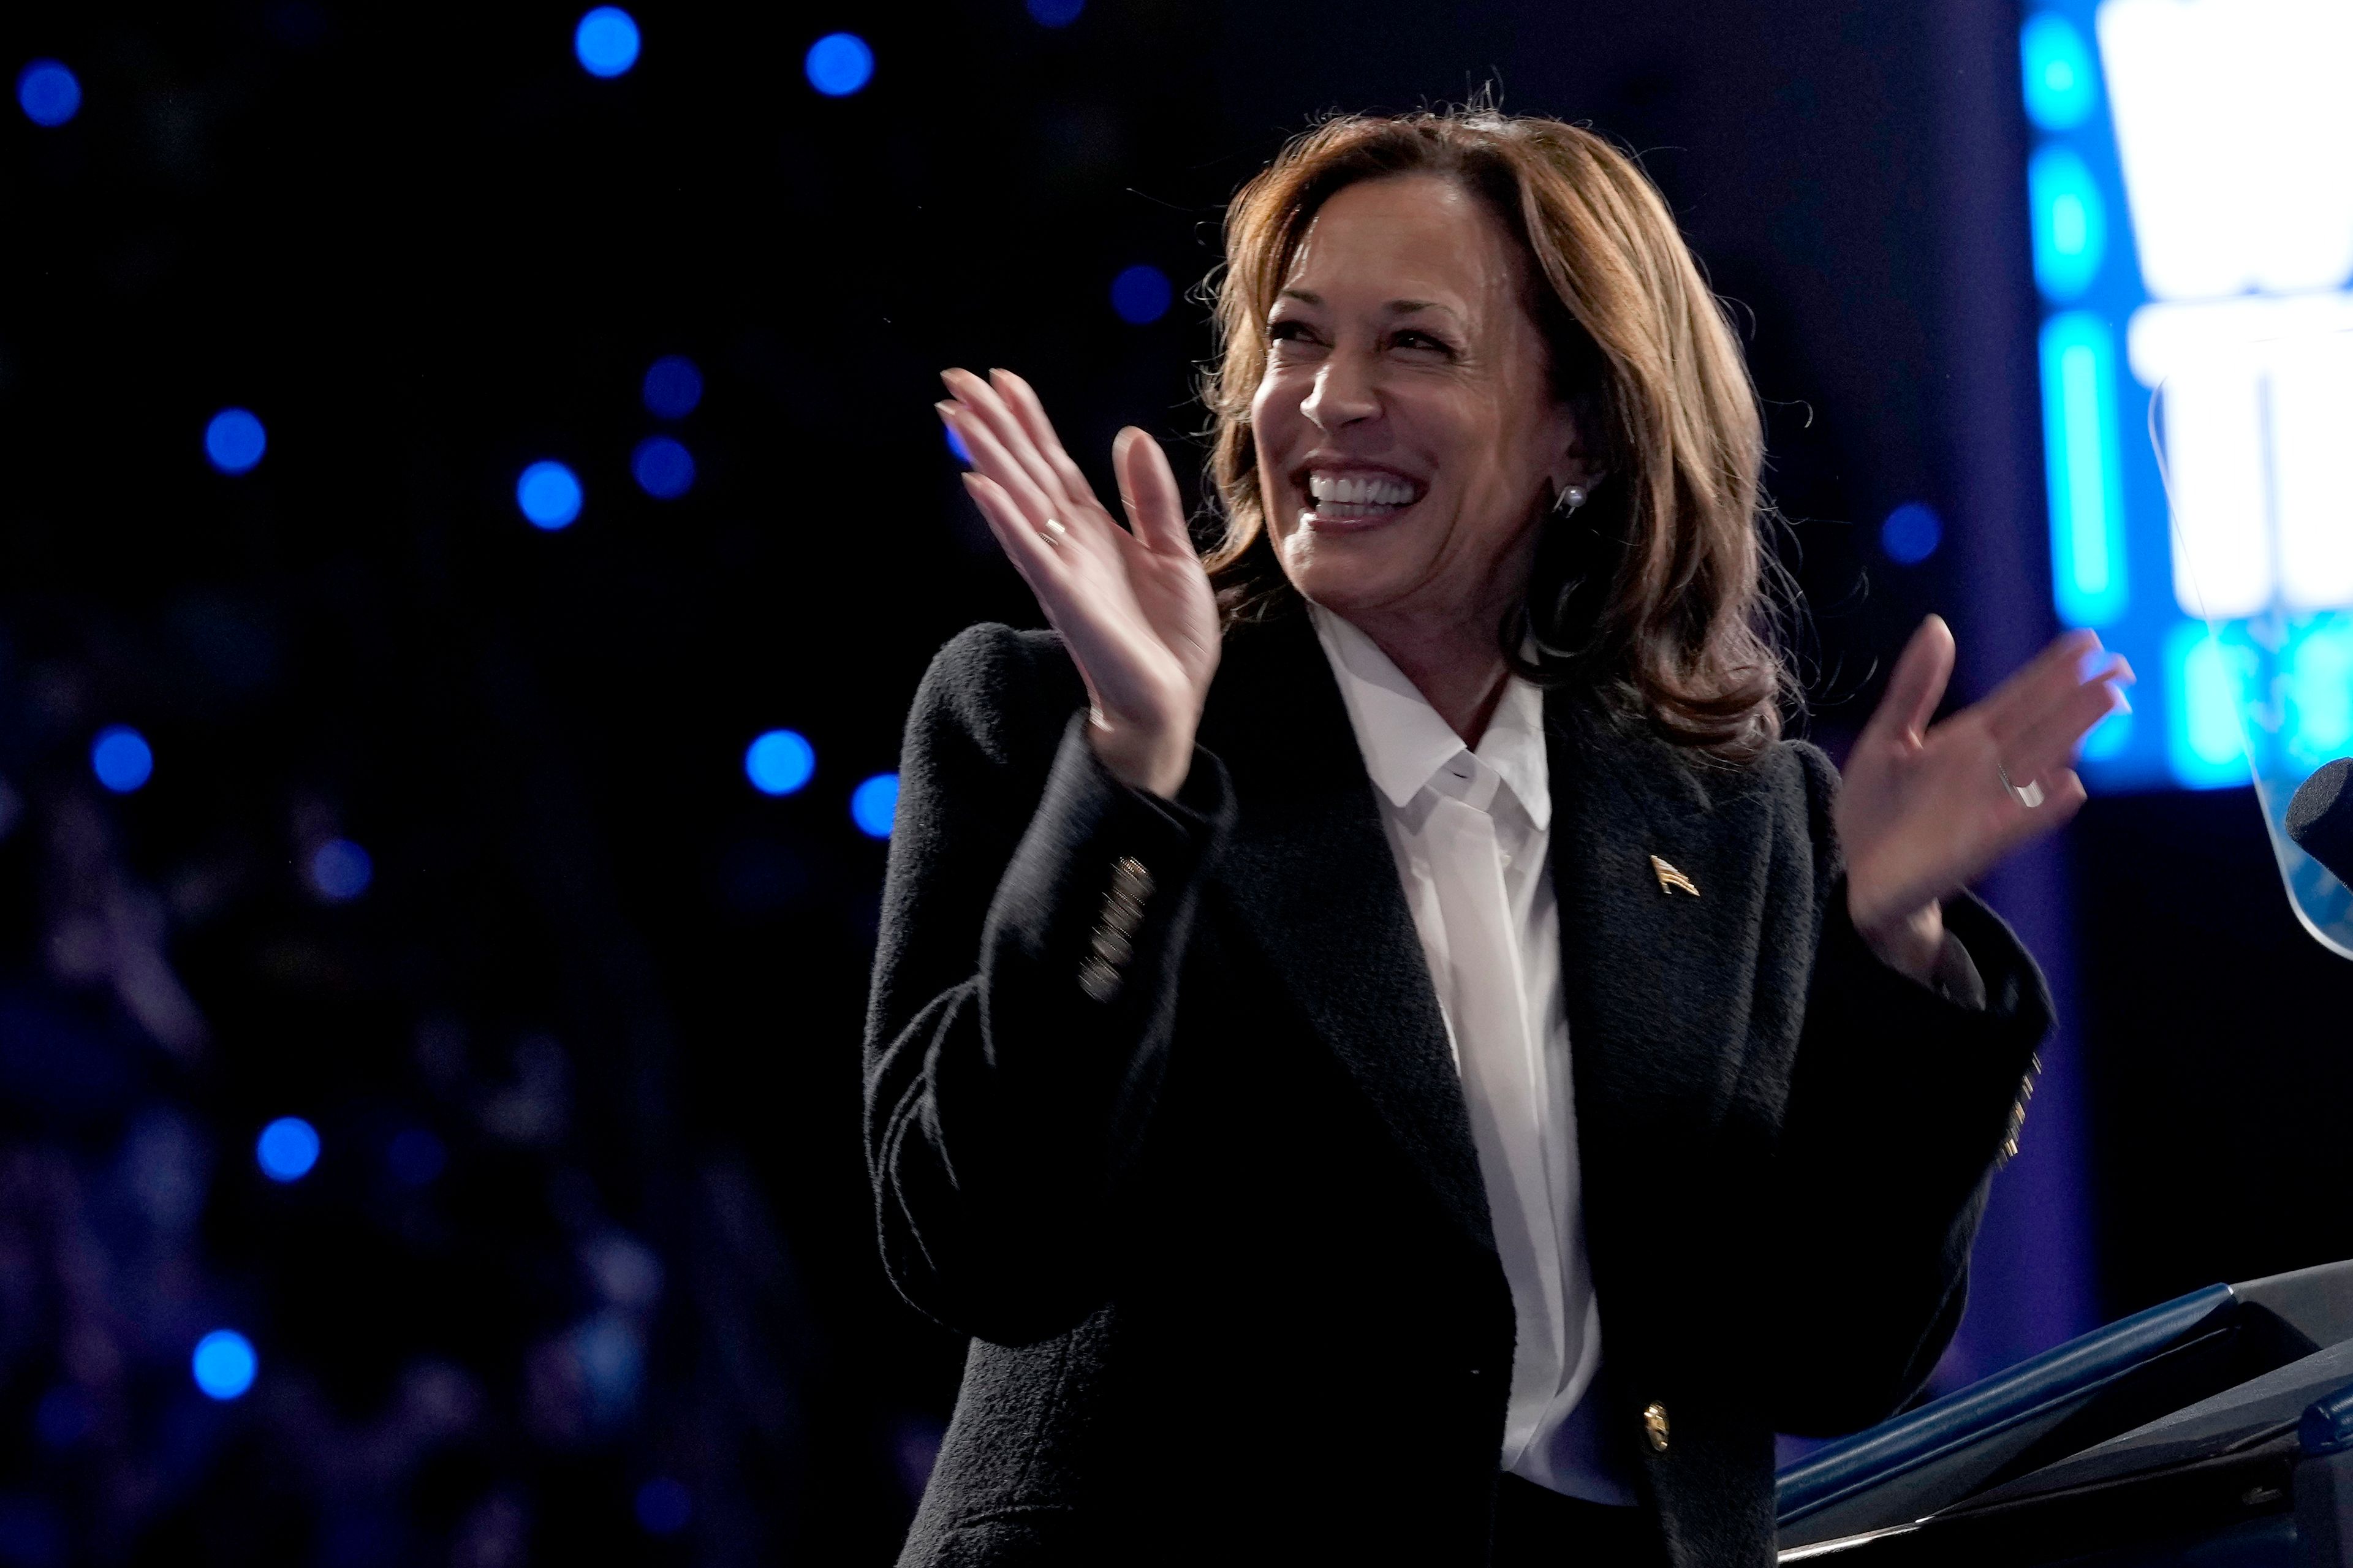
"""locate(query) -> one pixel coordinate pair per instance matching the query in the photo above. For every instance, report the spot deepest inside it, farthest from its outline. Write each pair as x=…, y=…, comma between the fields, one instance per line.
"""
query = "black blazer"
x=1159, y=1110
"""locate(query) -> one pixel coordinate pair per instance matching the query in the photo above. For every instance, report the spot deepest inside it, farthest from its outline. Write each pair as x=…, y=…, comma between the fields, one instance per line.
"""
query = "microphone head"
x=2320, y=818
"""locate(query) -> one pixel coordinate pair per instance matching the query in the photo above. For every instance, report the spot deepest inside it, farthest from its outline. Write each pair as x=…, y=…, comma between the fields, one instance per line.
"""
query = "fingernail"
x=946, y=408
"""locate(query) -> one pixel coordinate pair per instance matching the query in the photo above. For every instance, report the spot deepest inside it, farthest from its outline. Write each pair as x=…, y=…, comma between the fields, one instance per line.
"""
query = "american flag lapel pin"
x=1670, y=880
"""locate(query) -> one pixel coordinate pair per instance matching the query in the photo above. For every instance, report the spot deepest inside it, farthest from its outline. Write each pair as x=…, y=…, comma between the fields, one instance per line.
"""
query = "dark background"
x=592, y=1212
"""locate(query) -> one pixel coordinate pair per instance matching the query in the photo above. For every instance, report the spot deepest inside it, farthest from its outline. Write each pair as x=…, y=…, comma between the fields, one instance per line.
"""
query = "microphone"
x=2320, y=818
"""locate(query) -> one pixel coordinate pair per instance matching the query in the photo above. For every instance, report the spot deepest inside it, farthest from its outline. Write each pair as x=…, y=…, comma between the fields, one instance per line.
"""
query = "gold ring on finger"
x=2029, y=795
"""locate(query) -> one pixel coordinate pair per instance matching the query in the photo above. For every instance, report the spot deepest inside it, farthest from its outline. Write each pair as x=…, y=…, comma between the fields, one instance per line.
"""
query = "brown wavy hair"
x=1658, y=596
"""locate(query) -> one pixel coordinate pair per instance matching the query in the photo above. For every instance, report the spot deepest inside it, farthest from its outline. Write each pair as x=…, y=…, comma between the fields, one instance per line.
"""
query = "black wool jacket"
x=1160, y=1112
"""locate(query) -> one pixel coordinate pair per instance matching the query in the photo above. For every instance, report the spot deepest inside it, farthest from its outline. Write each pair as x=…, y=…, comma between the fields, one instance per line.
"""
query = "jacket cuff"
x=1091, y=916
x=1934, y=1056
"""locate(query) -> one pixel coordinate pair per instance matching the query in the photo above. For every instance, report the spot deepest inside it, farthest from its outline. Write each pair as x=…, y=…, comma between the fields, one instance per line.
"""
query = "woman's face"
x=1408, y=440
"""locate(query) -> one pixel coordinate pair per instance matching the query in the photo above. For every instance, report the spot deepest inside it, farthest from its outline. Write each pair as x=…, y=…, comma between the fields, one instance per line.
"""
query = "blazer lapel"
x=1656, y=978
x=1308, y=870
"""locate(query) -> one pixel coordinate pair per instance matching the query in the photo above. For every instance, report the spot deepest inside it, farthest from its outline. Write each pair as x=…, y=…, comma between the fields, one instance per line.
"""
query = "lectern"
x=2215, y=1430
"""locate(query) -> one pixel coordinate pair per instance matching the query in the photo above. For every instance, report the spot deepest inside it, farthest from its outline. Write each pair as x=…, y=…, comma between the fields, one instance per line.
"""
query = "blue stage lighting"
x=1911, y=533
x=2062, y=85
x=664, y=1507
x=287, y=1149
x=956, y=446
x=673, y=386
x=2080, y=458
x=779, y=762
x=122, y=758
x=235, y=440
x=664, y=469
x=47, y=92
x=839, y=64
x=2071, y=223
x=224, y=1364
x=1141, y=295
x=873, y=803
x=341, y=870
x=549, y=495
x=607, y=41
x=1056, y=12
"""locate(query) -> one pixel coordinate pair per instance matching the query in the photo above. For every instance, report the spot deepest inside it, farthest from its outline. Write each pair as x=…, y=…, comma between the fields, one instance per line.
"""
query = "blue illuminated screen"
x=2191, y=223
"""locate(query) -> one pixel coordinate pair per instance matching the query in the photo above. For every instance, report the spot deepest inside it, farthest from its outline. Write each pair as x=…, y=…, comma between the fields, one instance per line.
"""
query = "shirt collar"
x=1404, y=740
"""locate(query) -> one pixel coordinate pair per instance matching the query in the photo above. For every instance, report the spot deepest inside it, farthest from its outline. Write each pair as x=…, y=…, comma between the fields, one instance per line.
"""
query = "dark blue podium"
x=2214, y=1431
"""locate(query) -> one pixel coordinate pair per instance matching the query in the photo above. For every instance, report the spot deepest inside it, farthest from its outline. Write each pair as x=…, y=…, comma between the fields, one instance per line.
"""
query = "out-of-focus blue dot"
x=673, y=386
x=607, y=41
x=47, y=92
x=1141, y=295
x=416, y=1157
x=1056, y=12
x=2062, y=83
x=663, y=467
x=839, y=64
x=956, y=446
x=663, y=1507
x=122, y=758
x=224, y=1364
x=287, y=1149
x=235, y=440
x=873, y=803
x=549, y=495
x=1911, y=533
x=779, y=762
x=63, y=1417
x=341, y=870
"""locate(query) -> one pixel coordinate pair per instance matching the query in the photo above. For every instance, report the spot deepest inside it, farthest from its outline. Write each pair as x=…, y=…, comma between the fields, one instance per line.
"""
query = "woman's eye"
x=1414, y=340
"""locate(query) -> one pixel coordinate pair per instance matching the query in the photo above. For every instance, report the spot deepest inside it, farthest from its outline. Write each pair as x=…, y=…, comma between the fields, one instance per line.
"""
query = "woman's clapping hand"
x=1133, y=605
x=1925, y=810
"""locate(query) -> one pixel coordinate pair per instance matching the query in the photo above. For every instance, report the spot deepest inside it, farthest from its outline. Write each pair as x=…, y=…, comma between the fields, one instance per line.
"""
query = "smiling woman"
x=1384, y=1049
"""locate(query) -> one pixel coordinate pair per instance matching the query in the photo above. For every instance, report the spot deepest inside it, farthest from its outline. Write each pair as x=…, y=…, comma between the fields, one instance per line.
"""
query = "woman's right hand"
x=1133, y=605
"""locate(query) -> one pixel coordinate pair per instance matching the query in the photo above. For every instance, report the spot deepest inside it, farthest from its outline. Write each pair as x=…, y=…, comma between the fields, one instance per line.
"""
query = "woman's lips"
x=1351, y=500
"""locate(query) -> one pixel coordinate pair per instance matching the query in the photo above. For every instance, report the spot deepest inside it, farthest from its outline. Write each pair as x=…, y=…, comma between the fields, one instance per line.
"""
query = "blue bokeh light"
x=49, y=92
x=1141, y=295
x=673, y=387
x=873, y=803
x=1056, y=12
x=662, y=467
x=63, y=1417
x=235, y=440
x=839, y=64
x=1912, y=533
x=664, y=1507
x=780, y=762
x=416, y=1157
x=957, y=448
x=287, y=1149
x=224, y=1364
x=122, y=758
x=2062, y=85
x=341, y=870
x=607, y=41
x=549, y=495
x=2071, y=224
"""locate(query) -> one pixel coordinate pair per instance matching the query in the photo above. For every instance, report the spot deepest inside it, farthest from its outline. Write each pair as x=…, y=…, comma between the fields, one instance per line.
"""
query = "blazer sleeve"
x=1034, y=918
x=1901, y=1101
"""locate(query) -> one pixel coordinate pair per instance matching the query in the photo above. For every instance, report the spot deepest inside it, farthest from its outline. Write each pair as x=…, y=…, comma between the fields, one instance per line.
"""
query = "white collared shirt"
x=1472, y=831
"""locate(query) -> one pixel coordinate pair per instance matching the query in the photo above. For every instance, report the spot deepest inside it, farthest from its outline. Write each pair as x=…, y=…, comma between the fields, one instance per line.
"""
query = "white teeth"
x=1359, y=490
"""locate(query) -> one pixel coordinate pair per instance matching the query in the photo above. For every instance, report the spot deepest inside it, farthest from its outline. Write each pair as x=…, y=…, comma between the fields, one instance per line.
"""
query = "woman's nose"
x=1343, y=393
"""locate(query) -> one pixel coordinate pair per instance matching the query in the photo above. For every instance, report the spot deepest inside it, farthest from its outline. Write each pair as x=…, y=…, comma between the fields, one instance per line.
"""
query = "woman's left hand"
x=1924, y=811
